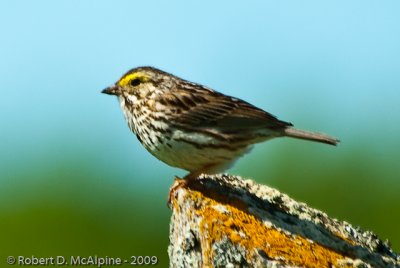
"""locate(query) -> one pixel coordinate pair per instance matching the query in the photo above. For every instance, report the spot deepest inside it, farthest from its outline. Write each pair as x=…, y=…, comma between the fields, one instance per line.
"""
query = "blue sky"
x=331, y=66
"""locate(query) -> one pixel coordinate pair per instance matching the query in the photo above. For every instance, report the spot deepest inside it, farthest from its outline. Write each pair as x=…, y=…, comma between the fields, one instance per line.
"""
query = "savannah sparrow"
x=192, y=127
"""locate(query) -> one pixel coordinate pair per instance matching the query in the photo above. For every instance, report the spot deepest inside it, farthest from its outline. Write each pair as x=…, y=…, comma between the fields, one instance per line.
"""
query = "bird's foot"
x=178, y=183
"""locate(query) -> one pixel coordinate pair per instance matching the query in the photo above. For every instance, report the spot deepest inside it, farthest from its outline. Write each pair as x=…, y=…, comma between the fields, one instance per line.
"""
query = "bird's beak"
x=112, y=90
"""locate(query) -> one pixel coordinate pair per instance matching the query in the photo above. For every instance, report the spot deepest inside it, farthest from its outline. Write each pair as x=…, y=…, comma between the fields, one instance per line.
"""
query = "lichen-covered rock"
x=225, y=221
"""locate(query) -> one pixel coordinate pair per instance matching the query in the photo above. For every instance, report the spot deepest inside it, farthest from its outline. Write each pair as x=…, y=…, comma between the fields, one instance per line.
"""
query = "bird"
x=192, y=127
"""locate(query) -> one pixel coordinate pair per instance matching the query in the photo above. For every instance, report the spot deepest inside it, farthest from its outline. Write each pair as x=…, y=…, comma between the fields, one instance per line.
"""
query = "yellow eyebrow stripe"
x=128, y=78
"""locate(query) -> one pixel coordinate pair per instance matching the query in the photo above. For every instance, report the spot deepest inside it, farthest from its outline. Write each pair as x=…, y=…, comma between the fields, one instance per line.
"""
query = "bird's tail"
x=308, y=135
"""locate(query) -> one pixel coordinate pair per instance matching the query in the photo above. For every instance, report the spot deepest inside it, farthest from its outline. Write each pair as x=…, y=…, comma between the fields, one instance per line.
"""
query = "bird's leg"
x=185, y=181
x=193, y=175
x=181, y=182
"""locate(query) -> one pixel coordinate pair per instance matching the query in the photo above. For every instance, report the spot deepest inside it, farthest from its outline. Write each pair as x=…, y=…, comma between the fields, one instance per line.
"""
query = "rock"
x=226, y=221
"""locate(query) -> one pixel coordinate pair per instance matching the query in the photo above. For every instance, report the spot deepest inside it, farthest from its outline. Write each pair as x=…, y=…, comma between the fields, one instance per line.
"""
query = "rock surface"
x=225, y=221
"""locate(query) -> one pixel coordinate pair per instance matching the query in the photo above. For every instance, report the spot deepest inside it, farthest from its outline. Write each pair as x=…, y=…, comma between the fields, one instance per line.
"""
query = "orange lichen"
x=244, y=229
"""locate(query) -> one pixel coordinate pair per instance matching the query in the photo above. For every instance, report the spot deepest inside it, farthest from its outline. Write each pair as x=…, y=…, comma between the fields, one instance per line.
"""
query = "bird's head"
x=139, y=83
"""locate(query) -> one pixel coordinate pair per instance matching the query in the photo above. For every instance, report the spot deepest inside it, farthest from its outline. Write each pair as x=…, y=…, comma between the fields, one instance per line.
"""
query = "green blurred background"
x=75, y=181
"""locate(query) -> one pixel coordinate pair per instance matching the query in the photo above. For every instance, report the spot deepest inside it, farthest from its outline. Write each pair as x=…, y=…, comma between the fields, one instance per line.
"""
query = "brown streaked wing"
x=205, y=108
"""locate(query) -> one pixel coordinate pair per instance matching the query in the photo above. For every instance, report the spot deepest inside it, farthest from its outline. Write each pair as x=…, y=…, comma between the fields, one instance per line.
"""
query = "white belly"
x=180, y=151
x=189, y=151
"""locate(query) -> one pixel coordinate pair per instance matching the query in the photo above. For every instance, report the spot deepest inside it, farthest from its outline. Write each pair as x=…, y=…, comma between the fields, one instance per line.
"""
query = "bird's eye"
x=135, y=82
